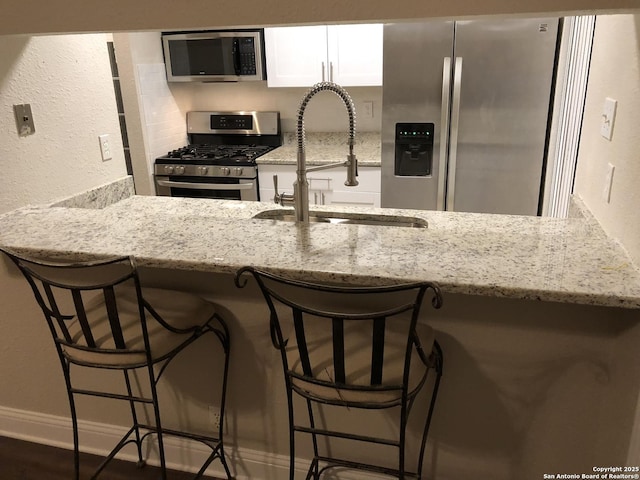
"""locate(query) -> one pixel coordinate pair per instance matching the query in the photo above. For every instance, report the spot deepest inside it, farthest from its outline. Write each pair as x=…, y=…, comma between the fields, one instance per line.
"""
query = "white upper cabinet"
x=350, y=55
x=355, y=54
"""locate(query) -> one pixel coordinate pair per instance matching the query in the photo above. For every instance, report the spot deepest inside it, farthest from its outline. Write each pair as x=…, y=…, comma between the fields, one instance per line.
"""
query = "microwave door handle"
x=236, y=55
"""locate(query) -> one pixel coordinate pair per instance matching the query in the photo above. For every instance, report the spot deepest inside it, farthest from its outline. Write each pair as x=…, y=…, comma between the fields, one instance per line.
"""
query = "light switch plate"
x=105, y=146
x=608, y=118
x=24, y=120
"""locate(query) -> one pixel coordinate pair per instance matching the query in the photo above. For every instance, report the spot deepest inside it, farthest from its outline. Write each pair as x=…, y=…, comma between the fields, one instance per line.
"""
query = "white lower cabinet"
x=326, y=187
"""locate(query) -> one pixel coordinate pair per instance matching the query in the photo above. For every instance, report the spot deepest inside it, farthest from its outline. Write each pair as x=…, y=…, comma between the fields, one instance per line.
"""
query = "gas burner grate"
x=233, y=154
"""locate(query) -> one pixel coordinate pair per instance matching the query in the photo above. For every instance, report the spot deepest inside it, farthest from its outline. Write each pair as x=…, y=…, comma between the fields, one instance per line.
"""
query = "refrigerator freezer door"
x=416, y=61
x=504, y=100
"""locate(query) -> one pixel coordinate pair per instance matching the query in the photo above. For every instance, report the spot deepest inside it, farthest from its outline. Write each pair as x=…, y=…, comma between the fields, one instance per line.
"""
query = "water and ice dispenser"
x=414, y=149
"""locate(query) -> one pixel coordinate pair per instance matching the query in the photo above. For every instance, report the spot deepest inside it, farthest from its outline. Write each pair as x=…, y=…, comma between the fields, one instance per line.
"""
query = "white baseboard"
x=99, y=439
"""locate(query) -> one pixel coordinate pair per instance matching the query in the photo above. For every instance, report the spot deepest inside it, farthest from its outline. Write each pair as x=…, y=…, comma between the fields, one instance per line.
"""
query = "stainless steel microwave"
x=215, y=56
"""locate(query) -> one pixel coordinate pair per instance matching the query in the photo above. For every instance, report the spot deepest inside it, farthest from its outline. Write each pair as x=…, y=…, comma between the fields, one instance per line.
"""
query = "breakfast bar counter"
x=560, y=260
x=539, y=326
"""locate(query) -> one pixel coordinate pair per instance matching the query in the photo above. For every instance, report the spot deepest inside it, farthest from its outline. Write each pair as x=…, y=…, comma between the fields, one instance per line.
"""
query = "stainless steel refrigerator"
x=465, y=114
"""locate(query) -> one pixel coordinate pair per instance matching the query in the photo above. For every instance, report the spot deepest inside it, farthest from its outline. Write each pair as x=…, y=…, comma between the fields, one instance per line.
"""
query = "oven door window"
x=206, y=187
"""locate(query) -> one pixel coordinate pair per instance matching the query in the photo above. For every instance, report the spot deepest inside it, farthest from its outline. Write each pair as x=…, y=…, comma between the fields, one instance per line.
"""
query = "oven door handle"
x=206, y=186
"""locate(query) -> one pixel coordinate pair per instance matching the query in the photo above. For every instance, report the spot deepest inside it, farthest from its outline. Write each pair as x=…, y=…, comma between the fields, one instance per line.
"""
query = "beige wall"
x=109, y=16
x=615, y=73
x=67, y=82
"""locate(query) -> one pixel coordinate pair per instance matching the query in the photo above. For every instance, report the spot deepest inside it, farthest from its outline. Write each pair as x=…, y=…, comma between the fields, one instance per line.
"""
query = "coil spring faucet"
x=300, y=197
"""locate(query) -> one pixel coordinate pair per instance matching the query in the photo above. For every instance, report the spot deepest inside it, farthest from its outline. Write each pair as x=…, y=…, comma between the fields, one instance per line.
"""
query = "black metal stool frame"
x=139, y=431
x=432, y=361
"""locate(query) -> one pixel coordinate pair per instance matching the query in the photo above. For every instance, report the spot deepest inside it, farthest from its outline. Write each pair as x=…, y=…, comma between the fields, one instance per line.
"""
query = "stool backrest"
x=70, y=295
x=320, y=329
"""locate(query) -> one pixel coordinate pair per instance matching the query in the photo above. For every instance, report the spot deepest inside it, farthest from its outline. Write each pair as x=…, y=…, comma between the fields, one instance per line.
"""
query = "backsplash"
x=325, y=113
x=164, y=123
x=100, y=197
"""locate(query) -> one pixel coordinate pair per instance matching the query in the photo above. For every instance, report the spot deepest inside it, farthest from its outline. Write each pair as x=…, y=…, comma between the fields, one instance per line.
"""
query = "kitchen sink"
x=345, y=218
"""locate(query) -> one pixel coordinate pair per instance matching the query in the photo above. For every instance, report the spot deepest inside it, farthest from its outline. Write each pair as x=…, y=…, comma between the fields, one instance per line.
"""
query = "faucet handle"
x=281, y=198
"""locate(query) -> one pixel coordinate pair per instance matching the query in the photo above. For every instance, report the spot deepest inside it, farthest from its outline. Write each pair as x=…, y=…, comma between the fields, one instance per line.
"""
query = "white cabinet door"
x=326, y=187
x=355, y=54
x=352, y=199
x=350, y=55
x=296, y=56
x=366, y=194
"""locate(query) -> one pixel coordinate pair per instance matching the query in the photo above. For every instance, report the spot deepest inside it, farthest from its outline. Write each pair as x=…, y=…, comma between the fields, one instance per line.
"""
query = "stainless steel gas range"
x=220, y=160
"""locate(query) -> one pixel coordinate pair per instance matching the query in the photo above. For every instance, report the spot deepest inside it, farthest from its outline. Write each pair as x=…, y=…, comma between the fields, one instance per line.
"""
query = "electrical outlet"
x=105, y=146
x=214, y=416
x=608, y=182
x=367, y=108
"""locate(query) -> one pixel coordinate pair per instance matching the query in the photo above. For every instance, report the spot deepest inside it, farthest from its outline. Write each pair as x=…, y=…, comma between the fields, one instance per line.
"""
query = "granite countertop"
x=564, y=260
x=322, y=148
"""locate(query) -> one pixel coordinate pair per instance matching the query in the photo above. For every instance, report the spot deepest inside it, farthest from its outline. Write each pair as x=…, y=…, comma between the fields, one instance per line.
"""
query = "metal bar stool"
x=354, y=347
x=101, y=317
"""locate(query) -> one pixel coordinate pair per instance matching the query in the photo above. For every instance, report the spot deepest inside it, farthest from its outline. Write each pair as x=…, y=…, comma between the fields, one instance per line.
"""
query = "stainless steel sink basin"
x=345, y=218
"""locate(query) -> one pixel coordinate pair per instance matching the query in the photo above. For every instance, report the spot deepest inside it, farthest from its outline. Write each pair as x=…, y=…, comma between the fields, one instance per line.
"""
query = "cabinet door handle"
x=331, y=71
x=323, y=71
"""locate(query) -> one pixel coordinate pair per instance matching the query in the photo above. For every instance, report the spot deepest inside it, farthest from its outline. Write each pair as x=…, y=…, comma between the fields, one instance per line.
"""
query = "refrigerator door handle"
x=453, y=136
x=444, y=132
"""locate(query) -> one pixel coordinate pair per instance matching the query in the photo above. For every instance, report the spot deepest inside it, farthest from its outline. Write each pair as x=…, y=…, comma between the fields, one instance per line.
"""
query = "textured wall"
x=615, y=73
x=67, y=81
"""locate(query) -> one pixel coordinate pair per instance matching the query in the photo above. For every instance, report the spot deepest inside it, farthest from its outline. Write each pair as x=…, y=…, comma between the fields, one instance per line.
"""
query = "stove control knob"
x=225, y=171
x=203, y=170
x=168, y=169
x=237, y=171
x=179, y=170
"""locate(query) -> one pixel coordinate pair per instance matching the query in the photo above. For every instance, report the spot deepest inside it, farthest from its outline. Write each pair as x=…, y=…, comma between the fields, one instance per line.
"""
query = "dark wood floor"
x=31, y=461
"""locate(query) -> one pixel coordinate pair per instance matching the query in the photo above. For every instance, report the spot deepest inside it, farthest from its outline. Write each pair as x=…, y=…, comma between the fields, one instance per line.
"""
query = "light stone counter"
x=324, y=148
x=563, y=260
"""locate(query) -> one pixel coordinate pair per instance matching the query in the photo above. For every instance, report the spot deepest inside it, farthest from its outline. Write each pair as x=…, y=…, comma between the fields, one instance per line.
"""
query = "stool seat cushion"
x=181, y=310
x=357, y=361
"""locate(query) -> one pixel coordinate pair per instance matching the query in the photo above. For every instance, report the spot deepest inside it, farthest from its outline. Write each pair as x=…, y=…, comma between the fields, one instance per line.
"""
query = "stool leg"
x=76, y=440
x=134, y=416
x=292, y=443
x=434, y=395
x=227, y=350
x=66, y=370
x=158, y=422
x=314, y=440
x=226, y=345
x=403, y=438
